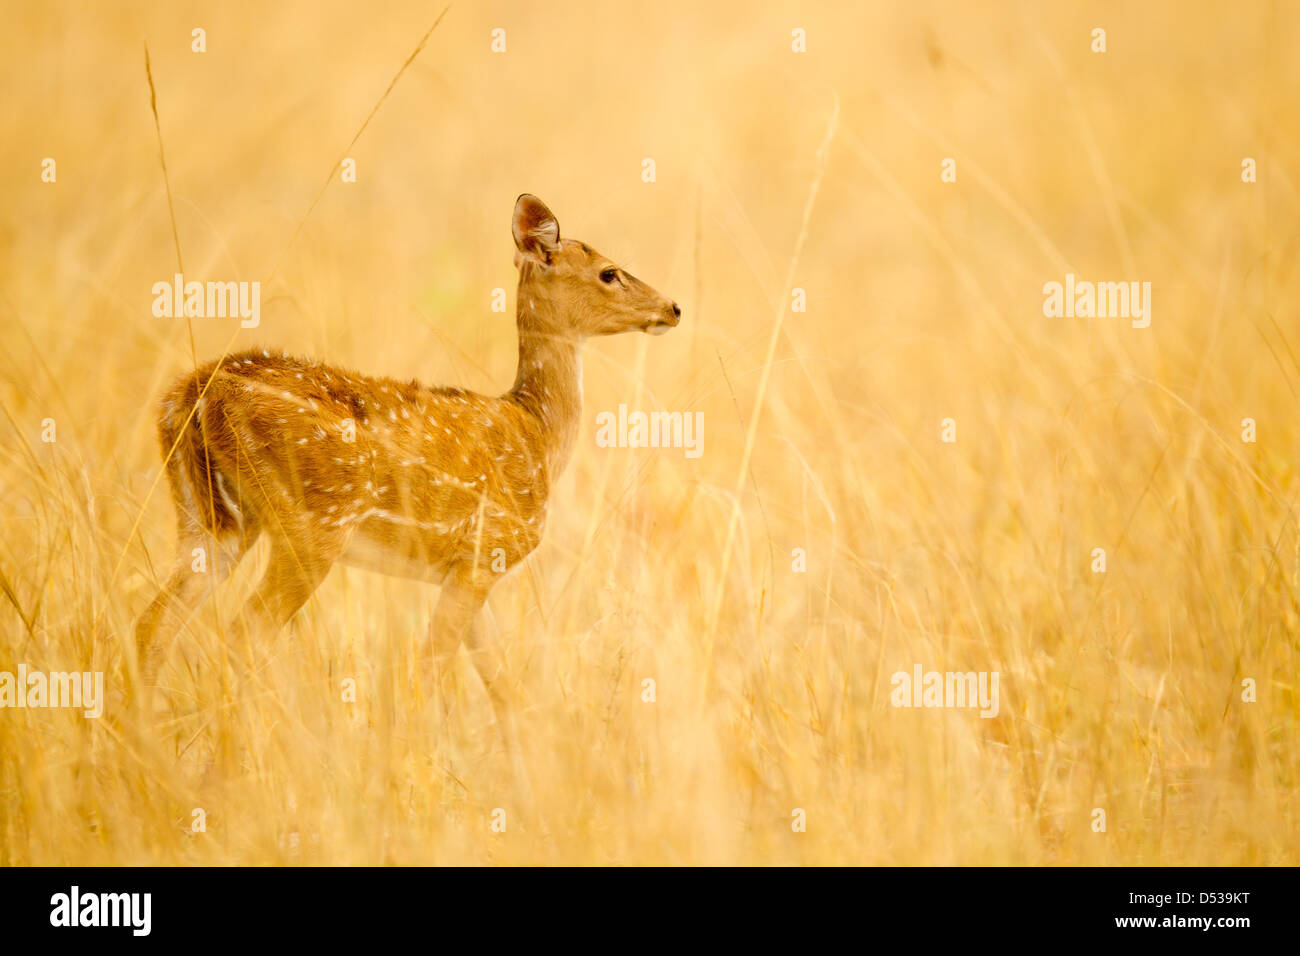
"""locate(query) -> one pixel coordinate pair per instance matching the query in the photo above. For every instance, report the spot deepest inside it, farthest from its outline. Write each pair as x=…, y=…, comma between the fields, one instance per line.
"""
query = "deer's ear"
x=536, y=230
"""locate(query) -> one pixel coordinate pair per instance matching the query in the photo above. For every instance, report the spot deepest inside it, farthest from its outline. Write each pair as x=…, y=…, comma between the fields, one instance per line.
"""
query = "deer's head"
x=567, y=288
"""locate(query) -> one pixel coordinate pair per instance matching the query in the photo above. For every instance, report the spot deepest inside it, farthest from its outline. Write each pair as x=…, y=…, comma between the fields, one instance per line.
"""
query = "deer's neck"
x=549, y=381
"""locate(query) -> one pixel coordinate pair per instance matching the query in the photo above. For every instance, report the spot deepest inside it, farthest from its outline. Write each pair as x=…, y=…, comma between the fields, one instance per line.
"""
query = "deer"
x=436, y=483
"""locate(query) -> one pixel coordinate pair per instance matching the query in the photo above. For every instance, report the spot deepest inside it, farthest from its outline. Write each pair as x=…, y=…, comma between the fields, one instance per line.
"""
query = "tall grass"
x=1120, y=690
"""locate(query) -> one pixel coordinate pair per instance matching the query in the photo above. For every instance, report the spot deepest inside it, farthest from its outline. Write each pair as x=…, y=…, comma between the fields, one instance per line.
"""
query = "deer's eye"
x=608, y=275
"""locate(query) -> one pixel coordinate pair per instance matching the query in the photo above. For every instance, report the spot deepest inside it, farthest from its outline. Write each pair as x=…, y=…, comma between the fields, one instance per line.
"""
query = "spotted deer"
x=441, y=484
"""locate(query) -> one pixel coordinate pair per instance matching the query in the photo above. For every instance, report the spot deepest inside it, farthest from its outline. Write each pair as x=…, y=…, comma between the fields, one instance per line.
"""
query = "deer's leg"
x=458, y=606
x=291, y=577
x=489, y=658
x=459, y=617
x=181, y=594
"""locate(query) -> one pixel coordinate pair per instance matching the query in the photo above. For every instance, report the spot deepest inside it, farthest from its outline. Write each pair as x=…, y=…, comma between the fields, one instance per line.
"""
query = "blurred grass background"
x=1119, y=691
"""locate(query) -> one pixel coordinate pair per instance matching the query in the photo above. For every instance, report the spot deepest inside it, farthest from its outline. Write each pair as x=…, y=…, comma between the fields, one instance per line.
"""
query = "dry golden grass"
x=1119, y=690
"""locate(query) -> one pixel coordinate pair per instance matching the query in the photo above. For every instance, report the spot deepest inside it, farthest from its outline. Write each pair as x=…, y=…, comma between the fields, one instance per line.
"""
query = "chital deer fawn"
x=440, y=484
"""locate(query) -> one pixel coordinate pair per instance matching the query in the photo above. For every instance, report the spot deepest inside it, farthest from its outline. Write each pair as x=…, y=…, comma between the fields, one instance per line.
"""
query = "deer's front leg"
x=453, y=617
x=489, y=658
x=458, y=617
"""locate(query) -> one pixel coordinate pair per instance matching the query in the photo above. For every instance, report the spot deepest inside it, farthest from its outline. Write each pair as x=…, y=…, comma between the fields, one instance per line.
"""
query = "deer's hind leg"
x=202, y=562
x=295, y=567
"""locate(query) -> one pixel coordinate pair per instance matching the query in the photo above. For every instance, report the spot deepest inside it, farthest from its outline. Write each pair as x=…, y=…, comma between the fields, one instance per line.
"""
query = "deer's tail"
x=203, y=494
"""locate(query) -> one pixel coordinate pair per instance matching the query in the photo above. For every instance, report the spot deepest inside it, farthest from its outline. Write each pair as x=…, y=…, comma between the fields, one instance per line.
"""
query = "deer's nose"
x=677, y=311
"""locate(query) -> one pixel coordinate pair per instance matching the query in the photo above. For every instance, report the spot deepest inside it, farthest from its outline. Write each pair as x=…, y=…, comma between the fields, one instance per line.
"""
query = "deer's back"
x=437, y=473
